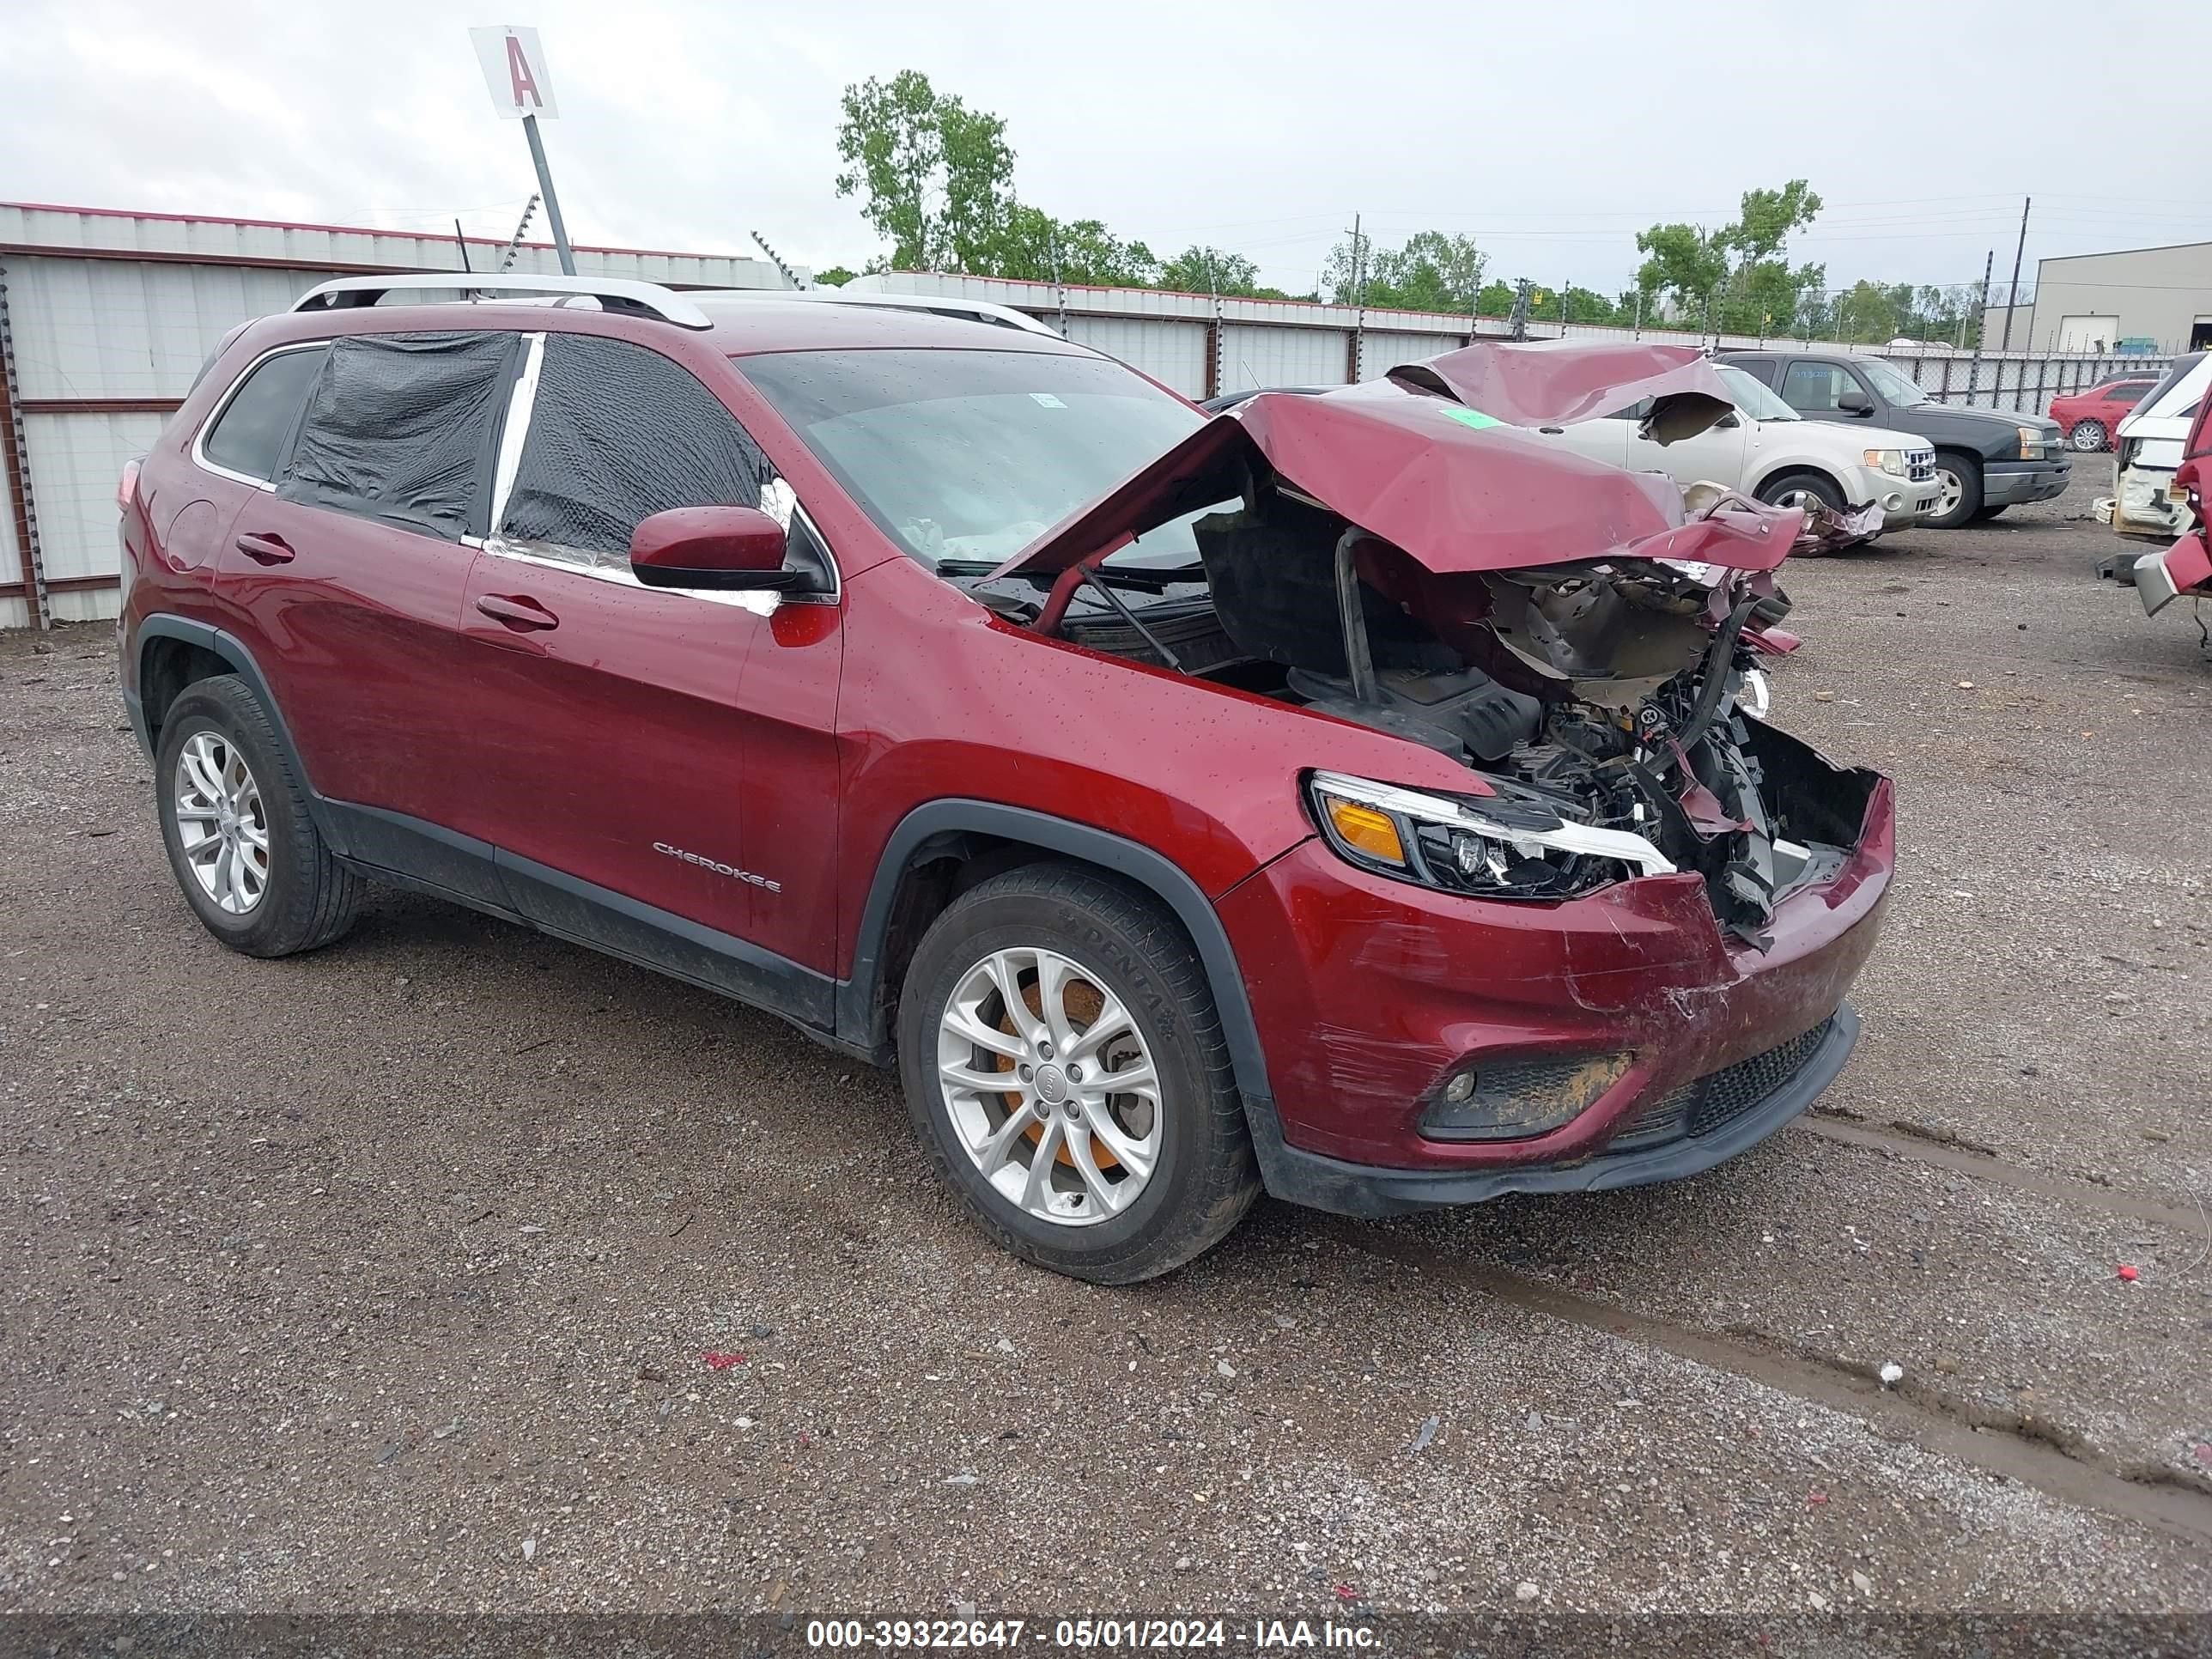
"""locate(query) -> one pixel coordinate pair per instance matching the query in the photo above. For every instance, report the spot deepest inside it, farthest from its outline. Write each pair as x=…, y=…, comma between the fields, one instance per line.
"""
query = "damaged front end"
x=1608, y=713
x=1579, y=639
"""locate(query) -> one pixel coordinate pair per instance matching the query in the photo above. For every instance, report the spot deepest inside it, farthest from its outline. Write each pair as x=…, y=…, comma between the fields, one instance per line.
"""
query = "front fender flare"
x=860, y=1007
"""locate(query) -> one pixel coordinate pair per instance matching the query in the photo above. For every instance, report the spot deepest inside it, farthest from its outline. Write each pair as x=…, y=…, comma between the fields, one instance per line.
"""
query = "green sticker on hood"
x=1473, y=417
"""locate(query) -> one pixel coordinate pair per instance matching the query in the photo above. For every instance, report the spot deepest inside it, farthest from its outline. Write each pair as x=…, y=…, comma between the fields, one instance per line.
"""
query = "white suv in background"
x=1767, y=450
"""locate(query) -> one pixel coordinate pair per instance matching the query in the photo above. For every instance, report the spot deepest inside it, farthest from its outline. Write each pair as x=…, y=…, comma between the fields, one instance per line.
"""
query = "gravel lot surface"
x=382, y=1279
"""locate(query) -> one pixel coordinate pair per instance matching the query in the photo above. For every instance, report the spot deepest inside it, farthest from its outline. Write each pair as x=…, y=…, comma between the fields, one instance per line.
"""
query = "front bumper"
x=2011, y=483
x=1639, y=1157
x=1370, y=994
x=1905, y=503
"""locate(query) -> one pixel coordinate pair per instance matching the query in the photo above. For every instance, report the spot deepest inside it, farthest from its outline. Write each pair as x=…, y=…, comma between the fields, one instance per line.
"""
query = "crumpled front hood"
x=1419, y=461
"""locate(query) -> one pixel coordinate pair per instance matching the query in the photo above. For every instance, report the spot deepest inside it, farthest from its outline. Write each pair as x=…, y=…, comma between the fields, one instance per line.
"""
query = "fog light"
x=1517, y=1098
x=1891, y=502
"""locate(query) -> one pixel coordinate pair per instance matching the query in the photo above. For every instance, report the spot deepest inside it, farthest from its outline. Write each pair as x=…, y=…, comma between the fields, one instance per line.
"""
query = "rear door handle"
x=265, y=549
x=518, y=612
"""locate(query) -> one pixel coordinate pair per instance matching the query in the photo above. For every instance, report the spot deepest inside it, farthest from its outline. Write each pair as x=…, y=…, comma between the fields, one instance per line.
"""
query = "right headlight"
x=1891, y=461
x=1484, y=845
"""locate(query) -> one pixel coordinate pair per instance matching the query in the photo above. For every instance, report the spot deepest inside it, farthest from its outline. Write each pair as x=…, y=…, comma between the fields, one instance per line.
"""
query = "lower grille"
x=1712, y=1103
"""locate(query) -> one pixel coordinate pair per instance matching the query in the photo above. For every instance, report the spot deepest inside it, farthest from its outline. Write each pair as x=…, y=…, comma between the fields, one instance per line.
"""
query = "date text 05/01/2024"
x=1103, y=1634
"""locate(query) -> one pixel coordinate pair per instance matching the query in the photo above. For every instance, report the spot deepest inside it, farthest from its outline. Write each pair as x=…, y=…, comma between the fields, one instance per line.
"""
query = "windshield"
x=967, y=457
x=1755, y=397
x=1892, y=385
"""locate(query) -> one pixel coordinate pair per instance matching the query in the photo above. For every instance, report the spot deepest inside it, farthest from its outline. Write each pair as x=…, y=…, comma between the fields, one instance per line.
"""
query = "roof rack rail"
x=973, y=310
x=620, y=294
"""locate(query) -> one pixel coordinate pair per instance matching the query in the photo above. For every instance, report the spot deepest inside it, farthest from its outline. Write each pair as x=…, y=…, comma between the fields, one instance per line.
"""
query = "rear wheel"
x=2087, y=436
x=245, y=852
x=1065, y=1067
x=1960, y=478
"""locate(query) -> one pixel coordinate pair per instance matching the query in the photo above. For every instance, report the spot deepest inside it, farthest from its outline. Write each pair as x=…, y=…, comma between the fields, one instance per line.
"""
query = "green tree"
x=835, y=276
x=1865, y=314
x=1496, y=299
x=935, y=177
x=1213, y=271
x=1686, y=264
x=1575, y=304
x=1737, y=275
x=1031, y=244
x=1431, y=270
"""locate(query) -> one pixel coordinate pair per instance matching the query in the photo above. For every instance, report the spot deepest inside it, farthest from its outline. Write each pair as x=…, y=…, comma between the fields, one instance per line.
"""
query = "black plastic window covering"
x=618, y=433
x=403, y=428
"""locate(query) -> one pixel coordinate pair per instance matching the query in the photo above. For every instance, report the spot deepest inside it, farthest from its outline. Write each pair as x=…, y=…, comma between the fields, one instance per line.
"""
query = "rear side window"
x=618, y=433
x=1759, y=368
x=2129, y=391
x=250, y=435
x=403, y=428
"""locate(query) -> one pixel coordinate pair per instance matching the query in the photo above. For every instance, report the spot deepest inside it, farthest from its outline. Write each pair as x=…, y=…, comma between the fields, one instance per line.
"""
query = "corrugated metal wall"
x=113, y=315
x=1172, y=352
x=1259, y=354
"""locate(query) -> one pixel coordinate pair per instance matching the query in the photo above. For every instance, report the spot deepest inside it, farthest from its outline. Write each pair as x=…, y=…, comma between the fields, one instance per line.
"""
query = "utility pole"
x=1981, y=330
x=462, y=243
x=1358, y=297
x=2012, y=300
x=1638, y=327
x=1520, y=318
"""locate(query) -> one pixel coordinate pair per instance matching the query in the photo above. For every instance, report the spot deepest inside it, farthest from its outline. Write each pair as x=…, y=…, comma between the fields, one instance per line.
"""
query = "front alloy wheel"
x=1067, y=1073
x=1050, y=1088
x=222, y=825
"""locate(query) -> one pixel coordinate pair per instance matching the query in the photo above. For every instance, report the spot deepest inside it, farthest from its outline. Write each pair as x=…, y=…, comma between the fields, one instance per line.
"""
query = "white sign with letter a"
x=515, y=69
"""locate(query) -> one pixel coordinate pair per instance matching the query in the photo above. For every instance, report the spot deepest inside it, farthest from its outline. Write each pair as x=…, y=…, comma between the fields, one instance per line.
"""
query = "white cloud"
x=1550, y=136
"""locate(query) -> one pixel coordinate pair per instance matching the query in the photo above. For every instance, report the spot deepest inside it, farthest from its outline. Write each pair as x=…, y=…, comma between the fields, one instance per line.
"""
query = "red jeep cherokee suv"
x=1349, y=797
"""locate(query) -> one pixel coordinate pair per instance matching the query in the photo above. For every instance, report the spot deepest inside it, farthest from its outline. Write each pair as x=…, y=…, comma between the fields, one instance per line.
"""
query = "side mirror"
x=1728, y=422
x=1855, y=402
x=728, y=547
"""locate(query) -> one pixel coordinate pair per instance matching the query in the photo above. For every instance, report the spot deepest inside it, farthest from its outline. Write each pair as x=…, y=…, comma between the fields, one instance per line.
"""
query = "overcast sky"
x=1550, y=133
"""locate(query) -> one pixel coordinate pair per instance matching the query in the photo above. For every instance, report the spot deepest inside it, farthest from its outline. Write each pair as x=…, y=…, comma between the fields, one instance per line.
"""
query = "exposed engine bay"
x=1404, y=556
x=1617, y=696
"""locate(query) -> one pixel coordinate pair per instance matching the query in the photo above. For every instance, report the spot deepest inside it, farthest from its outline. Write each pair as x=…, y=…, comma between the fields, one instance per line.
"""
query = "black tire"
x=2094, y=433
x=1968, y=472
x=1788, y=487
x=1204, y=1178
x=307, y=898
x=1984, y=515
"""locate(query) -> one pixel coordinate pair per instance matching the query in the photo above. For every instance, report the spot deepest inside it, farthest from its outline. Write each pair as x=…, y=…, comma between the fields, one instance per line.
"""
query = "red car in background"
x=2089, y=418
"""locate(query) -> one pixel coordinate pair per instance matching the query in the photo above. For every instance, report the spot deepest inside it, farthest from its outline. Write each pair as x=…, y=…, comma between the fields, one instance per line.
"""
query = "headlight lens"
x=2031, y=443
x=1891, y=461
x=1487, y=847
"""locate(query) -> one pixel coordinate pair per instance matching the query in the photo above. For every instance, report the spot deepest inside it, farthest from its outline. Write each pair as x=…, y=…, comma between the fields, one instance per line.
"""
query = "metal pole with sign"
x=522, y=89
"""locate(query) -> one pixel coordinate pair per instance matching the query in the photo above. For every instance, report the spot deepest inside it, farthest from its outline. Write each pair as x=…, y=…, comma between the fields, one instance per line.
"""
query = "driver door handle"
x=265, y=549
x=518, y=612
